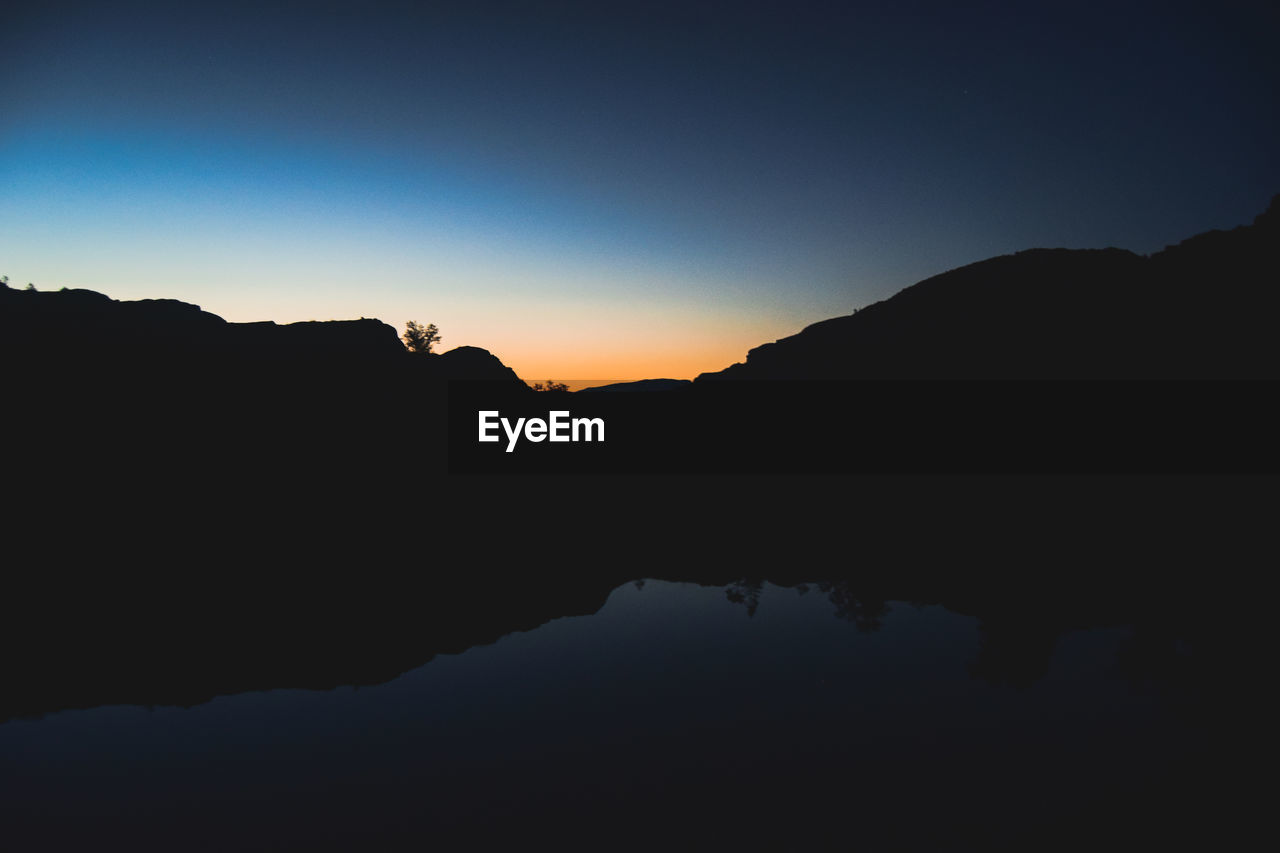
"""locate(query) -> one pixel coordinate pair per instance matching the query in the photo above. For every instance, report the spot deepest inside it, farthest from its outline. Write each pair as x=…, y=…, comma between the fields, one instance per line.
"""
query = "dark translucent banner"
x=870, y=427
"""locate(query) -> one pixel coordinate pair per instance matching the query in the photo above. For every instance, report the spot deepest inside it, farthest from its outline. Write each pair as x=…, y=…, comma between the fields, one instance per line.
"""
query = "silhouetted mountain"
x=82, y=329
x=642, y=385
x=172, y=399
x=1201, y=309
x=467, y=363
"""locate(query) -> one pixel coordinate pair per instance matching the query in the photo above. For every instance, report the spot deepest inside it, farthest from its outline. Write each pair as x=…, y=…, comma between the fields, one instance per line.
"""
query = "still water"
x=678, y=715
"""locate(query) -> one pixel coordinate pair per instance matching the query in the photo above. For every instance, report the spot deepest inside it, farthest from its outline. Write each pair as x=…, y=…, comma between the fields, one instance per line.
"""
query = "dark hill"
x=159, y=397
x=79, y=329
x=468, y=363
x=1198, y=310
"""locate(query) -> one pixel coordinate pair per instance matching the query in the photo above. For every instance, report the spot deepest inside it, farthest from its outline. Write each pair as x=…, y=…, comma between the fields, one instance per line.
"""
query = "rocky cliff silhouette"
x=1201, y=309
x=163, y=395
x=81, y=330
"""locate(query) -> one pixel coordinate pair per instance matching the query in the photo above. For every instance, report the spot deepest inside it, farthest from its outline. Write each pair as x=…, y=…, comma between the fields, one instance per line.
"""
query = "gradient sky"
x=611, y=190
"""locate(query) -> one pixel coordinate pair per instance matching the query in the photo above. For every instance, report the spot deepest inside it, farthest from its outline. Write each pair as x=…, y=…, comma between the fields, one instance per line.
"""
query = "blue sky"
x=610, y=190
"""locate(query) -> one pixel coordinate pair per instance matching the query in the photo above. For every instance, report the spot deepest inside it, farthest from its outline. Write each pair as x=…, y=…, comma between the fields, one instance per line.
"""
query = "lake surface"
x=678, y=715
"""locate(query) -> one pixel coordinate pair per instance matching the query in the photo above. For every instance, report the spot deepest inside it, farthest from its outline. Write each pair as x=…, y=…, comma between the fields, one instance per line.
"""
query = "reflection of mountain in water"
x=114, y=646
x=674, y=706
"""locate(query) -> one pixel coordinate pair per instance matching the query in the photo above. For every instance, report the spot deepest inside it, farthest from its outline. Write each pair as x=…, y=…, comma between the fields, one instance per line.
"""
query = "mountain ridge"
x=1195, y=309
x=76, y=328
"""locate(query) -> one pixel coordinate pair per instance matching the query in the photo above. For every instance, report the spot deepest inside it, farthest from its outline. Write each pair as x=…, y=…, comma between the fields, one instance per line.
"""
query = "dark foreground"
x=890, y=663
x=1022, y=614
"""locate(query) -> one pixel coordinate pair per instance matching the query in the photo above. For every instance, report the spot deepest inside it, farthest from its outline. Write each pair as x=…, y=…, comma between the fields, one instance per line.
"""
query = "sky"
x=611, y=190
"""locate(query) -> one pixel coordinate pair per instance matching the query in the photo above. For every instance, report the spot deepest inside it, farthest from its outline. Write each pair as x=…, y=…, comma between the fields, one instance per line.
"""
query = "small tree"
x=419, y=339
x=551, y=386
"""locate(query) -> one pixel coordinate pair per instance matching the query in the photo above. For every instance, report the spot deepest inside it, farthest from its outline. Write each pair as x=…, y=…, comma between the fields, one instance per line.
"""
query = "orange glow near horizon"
x=562, y=342
x=556, y=305
x=621, y=366
x=619, y=353
x=677, y=330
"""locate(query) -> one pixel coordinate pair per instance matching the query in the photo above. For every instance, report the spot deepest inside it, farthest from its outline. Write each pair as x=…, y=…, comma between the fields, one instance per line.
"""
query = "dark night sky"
x=612, y=190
